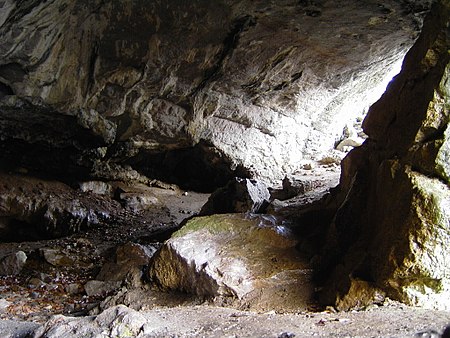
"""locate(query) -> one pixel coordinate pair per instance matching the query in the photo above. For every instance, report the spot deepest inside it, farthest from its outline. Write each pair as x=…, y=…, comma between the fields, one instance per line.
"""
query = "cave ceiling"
x=89, y=88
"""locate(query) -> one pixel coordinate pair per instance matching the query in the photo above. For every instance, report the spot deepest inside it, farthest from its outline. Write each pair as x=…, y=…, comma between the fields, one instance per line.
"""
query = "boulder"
x=32, y=208
x=100, y=288
x=249, y=259
x=239, y=195
x=128, y=265
x=57, y=257
x=13, y=264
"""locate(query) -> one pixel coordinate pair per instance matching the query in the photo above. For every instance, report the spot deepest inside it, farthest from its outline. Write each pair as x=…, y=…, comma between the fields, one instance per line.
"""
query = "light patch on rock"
x=13, y=264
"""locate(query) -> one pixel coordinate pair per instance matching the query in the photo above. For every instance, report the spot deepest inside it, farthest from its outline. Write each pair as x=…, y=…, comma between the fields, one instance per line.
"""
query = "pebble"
x=34, y=295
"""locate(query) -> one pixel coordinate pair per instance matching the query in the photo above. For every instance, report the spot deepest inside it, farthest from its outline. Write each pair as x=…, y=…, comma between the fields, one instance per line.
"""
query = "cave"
x=224, y=168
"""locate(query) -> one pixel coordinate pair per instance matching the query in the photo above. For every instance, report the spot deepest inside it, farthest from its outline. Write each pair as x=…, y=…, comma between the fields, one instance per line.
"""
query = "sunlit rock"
x=251, y=259
x=268, y=85
x=392, y=228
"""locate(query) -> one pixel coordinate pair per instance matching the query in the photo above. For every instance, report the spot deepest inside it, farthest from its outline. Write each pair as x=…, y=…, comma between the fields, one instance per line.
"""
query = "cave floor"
x=43, y=290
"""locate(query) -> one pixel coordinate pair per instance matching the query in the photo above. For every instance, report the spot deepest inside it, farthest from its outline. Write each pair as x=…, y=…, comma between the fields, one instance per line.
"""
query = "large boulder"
x=13, y=263
x=252, y=260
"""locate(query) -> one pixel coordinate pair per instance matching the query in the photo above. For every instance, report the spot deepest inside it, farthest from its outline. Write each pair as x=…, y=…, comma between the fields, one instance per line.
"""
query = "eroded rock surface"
x=393, y=225
x=252, y=259
x=87, y=87
x=32, y=208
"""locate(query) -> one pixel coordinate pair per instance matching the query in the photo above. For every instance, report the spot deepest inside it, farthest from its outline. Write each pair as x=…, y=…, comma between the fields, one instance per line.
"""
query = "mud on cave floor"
x=43, y=290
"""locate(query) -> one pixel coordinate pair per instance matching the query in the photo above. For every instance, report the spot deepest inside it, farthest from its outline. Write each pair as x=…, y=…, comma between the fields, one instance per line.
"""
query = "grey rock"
x=129, y=263
x=239, y=195
x=261, y=83
x=96, y=187
x=74, y=288
x=13, y=264
x=118, y=321
x=31, y=208
x=100, y=288
x=4, y=305
x=17, y=329
x=56, y=257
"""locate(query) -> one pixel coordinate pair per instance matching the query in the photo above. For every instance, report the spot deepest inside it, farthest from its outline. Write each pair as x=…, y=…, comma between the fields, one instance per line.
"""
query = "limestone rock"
x=294, y=185
x=239, y=195
x=392, y=225
x=57, y=257
x=118, y=321
x=13, y=264
x=420, y=273
x=129, y=263
x=100, y=288
x=97, y=187
x=32, y=208
x=359, y=296
x=17, y=329
x=261, y=83
x=4, y=305
x=253, y=260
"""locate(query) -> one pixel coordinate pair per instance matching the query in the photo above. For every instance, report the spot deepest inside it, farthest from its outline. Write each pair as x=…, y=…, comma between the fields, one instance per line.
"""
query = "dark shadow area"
x=200, y=168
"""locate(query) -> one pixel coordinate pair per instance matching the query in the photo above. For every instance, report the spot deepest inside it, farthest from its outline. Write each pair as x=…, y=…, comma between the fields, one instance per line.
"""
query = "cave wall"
x=89, y=85
x=391, y=233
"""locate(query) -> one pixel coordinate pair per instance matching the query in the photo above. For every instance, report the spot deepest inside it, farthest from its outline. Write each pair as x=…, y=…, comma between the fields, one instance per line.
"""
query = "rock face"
x=118, y=321
x=88, y=87
x=239, y=195
x=228, y=256
x=393, y=226
x=31, y=208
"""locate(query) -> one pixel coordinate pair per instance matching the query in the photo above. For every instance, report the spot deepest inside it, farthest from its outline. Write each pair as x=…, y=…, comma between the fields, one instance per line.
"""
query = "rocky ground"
x=90, y=283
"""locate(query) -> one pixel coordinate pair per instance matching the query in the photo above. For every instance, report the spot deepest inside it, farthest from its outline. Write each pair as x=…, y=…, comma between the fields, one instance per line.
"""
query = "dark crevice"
x=5, y=90
x=13, y=72
x=229, y=44
x=22, y=8
x=92, y=61
x=200, y=168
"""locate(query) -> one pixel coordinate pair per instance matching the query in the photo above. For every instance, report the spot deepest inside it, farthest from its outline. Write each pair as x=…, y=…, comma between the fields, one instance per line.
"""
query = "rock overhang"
x=268, y=85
